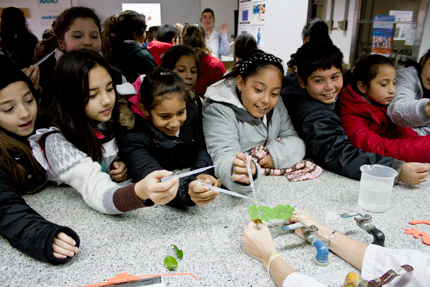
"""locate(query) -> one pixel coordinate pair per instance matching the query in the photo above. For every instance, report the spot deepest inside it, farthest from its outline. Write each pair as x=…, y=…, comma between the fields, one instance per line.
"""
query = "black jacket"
x=146, y=149
x=23, y=227
x=132, y=60
x=326, y=142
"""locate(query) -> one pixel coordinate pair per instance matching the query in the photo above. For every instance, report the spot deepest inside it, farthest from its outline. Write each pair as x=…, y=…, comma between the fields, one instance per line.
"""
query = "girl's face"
x=82, y=33
x=425, y=74
x=207, y=20
x=18, y=109
x=186, y=68
x=102, y=95
x=169, y=115
x=382, y=88
x=260, y=93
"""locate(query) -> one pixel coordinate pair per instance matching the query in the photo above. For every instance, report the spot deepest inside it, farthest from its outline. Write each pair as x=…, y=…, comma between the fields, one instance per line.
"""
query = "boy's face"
x=324, y=85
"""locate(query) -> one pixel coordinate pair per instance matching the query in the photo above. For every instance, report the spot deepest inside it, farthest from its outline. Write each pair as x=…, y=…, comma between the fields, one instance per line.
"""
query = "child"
x=243, y=111
x=123, y=37
x=211, y=69
x=181, y=60
x=75, y=28
x=83, y=153
x=362, y=109
x=166, y=132
x=23, y=227
x=167, y=36
x=310, y=95
x=411, y=105
x=243, y=45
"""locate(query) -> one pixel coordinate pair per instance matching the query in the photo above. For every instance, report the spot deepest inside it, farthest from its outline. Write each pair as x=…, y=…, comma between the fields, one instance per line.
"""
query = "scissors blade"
x=226, y=191
x=185, y=174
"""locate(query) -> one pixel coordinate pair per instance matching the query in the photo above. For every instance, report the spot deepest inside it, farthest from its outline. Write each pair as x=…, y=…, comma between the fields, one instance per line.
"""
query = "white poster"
x=258, y=13
x=259, y=34
x=50, y=9
x=152, y=12
x=245, y=13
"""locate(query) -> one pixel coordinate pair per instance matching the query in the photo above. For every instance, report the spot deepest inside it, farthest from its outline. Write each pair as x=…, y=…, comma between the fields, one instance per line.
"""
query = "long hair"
x=60, y=26
x=194, y=37
x=173, y=54
x=120, y=28
x=316, y=29
x=13, y=23
x=71, y=95
x=10, y=144
x=244, y=44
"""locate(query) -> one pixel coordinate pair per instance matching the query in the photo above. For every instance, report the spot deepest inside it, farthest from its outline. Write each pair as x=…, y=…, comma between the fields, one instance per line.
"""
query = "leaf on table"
x=179, y=252
x=252, y=211
x=170, y=263
x=266, y=213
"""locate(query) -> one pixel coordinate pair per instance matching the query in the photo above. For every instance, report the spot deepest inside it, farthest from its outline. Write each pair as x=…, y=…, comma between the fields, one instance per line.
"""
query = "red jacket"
x=157, y=49
x=369, y=128
x=211, y=70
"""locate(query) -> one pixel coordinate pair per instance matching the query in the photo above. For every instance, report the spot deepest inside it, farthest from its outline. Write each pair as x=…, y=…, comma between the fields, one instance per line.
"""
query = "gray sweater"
x=230, y=129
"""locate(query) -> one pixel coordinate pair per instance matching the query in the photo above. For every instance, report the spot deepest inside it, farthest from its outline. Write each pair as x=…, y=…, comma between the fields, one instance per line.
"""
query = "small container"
x=376, y=187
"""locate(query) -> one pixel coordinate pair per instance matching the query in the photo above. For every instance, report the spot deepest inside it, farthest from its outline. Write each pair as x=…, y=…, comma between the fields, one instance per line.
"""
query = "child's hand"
x=305, y=218
x=266, y=162
x=427, y=109
x=258, y=242
x=212, y=180
x=33, y=73
x=240, y=172
x=119, y=171
x=159, y=192
x=413, y=172
x=64, y=246
x=201, y=194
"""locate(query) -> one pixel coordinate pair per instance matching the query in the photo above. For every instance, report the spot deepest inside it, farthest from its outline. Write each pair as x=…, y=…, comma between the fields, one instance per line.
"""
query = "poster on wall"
x=258, y=13
x=245, y=13
x=382, y=34
x=402, y=30
x=50, y=9
x=152, y=12
x=259, y=34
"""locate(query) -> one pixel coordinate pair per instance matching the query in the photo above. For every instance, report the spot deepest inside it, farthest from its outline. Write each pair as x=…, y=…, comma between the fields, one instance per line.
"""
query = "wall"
x=425, y=40
x=342, y=39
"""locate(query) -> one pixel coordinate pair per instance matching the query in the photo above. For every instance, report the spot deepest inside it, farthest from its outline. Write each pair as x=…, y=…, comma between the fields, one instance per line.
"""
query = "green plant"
x=266, y=213
x=170, y=262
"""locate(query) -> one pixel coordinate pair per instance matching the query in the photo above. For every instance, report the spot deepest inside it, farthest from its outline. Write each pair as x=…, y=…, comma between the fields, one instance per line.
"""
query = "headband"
x=264, y=57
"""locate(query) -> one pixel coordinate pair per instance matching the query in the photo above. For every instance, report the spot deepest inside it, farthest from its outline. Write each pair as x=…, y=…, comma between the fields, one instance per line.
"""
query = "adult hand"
x=33, y=73
x=414, y=173
x=258, y=242
x=240, y=171
x=211, y=180
x=119, y=171
x=223, y=28
x=305, y=218
x=159, y=192
x=64, y=246
x=201, y=194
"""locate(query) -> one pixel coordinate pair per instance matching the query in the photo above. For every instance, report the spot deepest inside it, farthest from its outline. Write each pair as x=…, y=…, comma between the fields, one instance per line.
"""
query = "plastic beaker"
x=376, y=187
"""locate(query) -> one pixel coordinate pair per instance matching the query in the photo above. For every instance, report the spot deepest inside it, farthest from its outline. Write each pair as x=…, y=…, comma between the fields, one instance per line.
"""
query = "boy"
x=310, y=95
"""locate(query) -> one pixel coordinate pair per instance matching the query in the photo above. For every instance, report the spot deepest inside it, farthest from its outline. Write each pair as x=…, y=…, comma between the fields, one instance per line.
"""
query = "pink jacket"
x=369, y=128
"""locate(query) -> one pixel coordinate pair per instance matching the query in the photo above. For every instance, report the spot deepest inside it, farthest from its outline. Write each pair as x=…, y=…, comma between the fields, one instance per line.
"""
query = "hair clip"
x=265, y=57
x=166, y=73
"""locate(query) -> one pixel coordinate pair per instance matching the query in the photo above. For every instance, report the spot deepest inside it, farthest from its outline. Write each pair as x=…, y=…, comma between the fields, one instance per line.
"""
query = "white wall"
x=284, y=22
x=425, y=40
x=342, y=39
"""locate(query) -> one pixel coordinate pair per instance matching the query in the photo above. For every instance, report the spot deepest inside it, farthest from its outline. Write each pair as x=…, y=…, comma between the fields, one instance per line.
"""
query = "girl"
x=166, y=132
x=243, y=111
x=84, y=150
x=243, y=45
x=23, y=227
x=181, y=60
x=75, y=28
x=211, y=69
x=362, y=108
x=123, y=38
x=411, y=106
